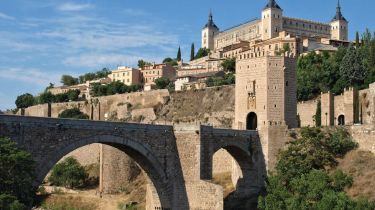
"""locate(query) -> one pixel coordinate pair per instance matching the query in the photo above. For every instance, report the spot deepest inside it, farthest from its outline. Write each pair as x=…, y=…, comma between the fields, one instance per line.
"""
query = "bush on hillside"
x=74, y=113
x=69, y=173
x=303, y=177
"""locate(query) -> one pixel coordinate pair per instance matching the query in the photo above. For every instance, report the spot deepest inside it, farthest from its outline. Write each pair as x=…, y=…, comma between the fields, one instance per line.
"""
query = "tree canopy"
x=170, y=61
x=142, y=63
x=69, y=80
x=202, y=52
x=162, y=83
x=68, y=173
x=25, y=100
x=349, y=66
x=305, y=176
x=74, y=113
x=229, y=65
x=112, y=88
x=17, y=173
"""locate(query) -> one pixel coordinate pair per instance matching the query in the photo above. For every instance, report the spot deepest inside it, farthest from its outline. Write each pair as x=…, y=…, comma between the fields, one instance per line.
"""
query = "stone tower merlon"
x=272, y=20
x=265, y=92
x=339, y=25
x=209, y=31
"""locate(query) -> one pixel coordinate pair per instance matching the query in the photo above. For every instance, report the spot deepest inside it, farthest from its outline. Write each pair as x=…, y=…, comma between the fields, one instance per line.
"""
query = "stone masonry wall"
x=306, y=111
x=365, y=136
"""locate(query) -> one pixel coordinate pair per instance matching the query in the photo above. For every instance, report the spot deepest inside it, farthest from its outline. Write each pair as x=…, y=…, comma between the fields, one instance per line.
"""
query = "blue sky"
x=42, y=39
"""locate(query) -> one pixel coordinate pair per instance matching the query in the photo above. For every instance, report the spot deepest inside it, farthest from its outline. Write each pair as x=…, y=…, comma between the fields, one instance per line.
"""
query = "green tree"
x=68, y=173
x=74, y=113
x=192, y=52
x=357, y=39
x=352, y=68
x=179, y=54
x=25, y=100
x=170, y=61
x=69, y=80
x=73, y=95
x=318, y=114
x=46, y=97
x=202, y=52
x=229, y=65
x=16, y=176
x=142, y=63
x=50, y=86
x=162, y=83
x=302, y=179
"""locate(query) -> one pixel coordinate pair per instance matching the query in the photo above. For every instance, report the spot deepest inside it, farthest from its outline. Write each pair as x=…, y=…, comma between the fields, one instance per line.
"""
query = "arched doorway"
x=251, y=121
x=341, y=120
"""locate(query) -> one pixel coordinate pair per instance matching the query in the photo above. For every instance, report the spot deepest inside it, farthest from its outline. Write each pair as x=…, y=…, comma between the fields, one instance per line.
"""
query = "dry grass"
x=224, y=180
x=68, y=202
x=361, y=166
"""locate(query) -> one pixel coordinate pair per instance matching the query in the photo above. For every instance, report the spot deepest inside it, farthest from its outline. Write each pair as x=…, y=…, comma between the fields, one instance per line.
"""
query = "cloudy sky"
x=42, y=39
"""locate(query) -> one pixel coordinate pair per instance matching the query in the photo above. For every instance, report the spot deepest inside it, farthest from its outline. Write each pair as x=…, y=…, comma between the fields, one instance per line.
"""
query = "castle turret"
x=339, y=25
x=272, y=20
x=209, y=31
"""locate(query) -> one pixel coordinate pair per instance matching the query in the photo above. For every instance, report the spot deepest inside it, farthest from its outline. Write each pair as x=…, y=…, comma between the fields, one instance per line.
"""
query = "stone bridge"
x=178, y=160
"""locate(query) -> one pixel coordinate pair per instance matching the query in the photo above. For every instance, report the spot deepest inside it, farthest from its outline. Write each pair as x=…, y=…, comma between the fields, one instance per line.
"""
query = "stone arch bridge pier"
x=178, y=160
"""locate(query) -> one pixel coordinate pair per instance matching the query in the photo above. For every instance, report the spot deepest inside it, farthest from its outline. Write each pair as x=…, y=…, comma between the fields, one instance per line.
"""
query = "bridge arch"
x=140, y=153
x=246, y=179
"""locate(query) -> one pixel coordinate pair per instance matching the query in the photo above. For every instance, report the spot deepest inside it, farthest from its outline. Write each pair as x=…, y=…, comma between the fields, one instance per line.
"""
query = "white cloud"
x=6, y=17
x=32, y=76
x=74, y=7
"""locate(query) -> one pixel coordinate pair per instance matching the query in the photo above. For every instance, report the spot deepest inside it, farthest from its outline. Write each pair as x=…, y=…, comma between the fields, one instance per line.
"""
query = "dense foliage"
x=69, y=80
x=142, y=63
x=16, y=176
x=350, y=66
x=170, y=61
x=305, y=177
x=202, y=52
x=227, y=79
x=229, y=65
x=113, y=88
x=74, y=113
x=25, y=100
x=68, y=173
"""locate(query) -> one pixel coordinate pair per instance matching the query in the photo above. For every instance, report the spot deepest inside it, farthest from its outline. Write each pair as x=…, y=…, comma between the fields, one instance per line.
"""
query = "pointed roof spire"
x=210, y=22
x=272, y=4
x=338, y=15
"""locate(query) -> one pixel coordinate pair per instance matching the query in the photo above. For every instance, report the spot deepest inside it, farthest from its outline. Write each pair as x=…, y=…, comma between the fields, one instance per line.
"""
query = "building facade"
x=152, y=72
x=270, y=25
x=126, y=75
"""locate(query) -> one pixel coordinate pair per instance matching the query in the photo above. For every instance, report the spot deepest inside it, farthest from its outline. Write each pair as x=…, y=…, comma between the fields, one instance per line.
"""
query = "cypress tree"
x=192, y=53
x=179, y=54
x=357, y=39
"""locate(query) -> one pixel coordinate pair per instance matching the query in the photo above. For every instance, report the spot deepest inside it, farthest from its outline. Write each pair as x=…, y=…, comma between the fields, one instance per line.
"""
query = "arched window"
x=341, y=120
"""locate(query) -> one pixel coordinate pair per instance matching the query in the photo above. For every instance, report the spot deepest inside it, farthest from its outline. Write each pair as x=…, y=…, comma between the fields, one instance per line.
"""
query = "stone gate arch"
x=252, y=121
x=341, y=120
x=141, y=154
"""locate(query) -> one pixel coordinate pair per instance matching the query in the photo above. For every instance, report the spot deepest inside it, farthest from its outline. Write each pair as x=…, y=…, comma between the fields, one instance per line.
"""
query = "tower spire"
x=338, y=15
x=210, y=22
x=272, y=4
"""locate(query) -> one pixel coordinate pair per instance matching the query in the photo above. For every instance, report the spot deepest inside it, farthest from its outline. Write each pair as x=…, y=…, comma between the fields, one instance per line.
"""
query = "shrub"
x=69, y=173
x=74, y=113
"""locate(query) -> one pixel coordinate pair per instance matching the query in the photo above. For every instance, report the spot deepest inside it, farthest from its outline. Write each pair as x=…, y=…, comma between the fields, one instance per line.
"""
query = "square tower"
x=209, y=31
x=272, y=20
x=266, y=92
x=339, y=25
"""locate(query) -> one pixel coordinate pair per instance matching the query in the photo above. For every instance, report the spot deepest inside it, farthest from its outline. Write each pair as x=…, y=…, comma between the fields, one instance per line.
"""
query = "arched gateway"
x=178, y=162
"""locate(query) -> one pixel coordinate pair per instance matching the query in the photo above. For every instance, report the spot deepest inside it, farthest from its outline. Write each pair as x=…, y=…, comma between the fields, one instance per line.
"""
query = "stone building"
x=269, y=26
x=152, y=72
x=265, y=91
x=128, y=76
